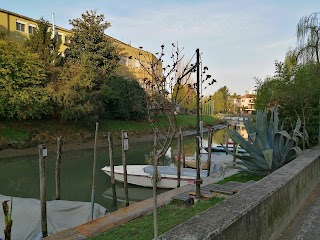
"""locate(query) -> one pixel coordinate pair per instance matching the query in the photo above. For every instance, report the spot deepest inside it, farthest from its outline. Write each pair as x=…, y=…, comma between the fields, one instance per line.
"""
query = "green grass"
x=14, y=134
x=24, y=130
x=169, y=216
x=240, y=177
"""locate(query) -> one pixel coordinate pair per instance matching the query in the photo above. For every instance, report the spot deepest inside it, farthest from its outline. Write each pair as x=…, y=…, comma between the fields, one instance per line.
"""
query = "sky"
x=238, y=39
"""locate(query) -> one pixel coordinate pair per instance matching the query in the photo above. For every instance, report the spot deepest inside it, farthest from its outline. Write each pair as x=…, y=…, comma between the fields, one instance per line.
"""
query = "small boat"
x=217, y=161
x=222, y=148
x=142, y=175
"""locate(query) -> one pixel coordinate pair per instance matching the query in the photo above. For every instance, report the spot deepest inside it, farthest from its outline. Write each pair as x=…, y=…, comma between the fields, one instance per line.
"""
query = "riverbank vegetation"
x=295, y=86
x=23, y=134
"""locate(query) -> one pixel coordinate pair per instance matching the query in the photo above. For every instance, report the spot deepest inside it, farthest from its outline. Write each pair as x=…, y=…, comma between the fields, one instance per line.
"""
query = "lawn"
x=169, y=216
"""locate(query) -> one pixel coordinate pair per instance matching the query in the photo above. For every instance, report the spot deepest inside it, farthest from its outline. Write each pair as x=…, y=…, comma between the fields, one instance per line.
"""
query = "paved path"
x=306, y=224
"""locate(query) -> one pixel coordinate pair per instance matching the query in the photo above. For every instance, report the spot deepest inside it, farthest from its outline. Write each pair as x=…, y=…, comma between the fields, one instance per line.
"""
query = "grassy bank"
x=25, y=133
x=169, y=216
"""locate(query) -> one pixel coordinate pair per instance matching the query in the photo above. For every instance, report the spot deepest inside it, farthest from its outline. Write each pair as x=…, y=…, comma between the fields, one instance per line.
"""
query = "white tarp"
x=61, y=215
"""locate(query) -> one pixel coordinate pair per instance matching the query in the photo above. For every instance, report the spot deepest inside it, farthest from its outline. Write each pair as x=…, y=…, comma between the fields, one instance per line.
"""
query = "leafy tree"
x=91, y=60
x=185, y=97
x=42, y=43
x=22, y=83
x=125, y=99
x=90, y=47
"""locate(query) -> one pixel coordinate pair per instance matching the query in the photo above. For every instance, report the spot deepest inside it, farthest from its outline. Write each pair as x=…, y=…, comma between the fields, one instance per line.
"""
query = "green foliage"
x=74, y=93
x=40, y=42
x=126, y=99
x=185, y=98
x=22, y=83
x=240, y=177
x=308, y=35
x=270, y=146
x=80, y=89
x=91, y=48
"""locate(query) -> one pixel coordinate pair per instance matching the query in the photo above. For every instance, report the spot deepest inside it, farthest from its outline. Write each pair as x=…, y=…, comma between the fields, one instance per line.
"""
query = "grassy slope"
x=48, y=130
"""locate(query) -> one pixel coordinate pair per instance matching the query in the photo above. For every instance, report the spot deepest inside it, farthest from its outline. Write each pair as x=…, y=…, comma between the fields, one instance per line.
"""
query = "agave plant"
x=269, y=146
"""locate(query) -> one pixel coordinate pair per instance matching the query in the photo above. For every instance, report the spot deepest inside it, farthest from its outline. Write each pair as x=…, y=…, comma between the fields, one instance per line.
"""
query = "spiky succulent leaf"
x=271, y=146
x=268, y=156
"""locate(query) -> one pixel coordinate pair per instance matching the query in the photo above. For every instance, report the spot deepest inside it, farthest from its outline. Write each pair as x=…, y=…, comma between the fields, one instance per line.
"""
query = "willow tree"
x=308, y=36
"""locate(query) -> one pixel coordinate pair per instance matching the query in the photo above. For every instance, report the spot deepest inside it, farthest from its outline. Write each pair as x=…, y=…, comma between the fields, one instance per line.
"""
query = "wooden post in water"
x=227, y=140
x=209, y=150
x=125, y=147
x=179, y=160
x=58, y=168
x=113, y=182
x=43, y=197
x=234, y=145
x=182, y=150
x=94, y=170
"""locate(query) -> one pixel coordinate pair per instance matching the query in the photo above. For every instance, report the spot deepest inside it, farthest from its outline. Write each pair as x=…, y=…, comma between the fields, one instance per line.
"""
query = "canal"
x=19, y=176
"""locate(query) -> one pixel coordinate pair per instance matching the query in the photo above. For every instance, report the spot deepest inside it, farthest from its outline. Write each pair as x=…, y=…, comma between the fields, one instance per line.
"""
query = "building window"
x=130, y=62
x=20, y=26
x=32, y=28
x=59, y=37
x=66, y=39
x=136, y=63
x=123, y=60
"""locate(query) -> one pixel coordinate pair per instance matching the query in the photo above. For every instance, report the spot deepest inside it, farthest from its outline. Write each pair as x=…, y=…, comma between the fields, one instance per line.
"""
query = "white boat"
x=142, y=175
x=222, y=148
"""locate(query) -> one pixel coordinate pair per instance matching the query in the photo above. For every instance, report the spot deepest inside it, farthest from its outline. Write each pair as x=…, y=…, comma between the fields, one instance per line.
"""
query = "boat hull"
x=140, y=178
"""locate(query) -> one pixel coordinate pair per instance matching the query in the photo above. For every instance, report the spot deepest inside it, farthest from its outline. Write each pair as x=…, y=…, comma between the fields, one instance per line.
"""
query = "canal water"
x=19, y=176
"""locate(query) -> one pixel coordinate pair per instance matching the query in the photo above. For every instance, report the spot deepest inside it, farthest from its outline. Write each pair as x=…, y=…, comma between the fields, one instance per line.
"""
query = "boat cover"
x=61, y=215
x=167, y=170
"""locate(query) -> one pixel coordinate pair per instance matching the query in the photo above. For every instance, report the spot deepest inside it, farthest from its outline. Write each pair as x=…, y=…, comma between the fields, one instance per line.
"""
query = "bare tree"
x=163, y=85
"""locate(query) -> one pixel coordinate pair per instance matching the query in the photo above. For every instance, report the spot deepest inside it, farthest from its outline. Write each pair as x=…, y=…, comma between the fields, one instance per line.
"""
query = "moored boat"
x=142, y=175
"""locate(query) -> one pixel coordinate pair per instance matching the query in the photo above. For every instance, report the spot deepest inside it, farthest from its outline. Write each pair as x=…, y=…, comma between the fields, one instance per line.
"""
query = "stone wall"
x=261, y=211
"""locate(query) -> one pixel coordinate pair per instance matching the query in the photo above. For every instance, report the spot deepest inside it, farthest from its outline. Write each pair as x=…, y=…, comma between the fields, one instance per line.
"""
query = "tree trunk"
x=155, y=180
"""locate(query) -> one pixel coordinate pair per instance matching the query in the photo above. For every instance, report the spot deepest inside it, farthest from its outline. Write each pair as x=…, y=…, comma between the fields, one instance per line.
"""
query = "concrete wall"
x=262, y=211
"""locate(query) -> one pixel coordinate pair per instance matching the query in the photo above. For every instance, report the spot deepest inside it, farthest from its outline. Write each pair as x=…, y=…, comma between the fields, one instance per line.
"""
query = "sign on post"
x=125, y=140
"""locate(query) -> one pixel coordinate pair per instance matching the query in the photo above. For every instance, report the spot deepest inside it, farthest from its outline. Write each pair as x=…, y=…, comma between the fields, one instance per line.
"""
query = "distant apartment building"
x=135, y=62
x=246, y=102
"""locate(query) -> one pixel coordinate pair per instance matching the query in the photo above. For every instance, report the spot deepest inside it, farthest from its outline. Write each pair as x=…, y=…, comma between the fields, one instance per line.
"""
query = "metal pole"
x=209, y=150
x=125, y=176
x=94, y=170
x=198, y=179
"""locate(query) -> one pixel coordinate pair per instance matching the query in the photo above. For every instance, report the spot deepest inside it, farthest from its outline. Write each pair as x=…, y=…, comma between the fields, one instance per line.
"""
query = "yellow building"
x=134, y=62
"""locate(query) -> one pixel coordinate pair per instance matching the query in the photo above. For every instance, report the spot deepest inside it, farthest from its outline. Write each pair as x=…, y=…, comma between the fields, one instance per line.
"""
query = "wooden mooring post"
x=94, y=170
x=179, y=160
x=234, y=145
x=209, y=150
x=182, y=150
x=125, y=147
x=58, y=168
x=113, y=182
x=43, y=152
